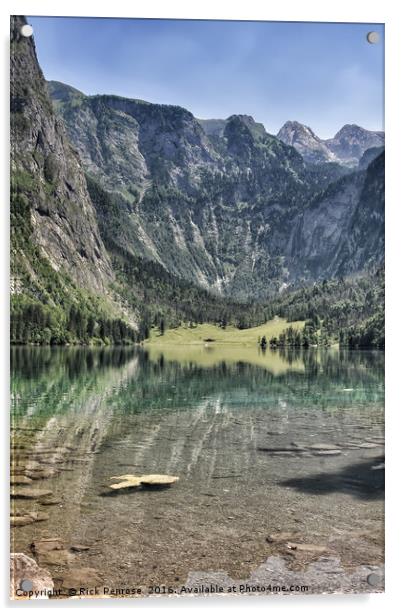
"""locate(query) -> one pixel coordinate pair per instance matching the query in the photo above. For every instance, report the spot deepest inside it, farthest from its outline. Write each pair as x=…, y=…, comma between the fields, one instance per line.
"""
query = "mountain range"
x=113, y=196
x=346, y=147
x=223, y=204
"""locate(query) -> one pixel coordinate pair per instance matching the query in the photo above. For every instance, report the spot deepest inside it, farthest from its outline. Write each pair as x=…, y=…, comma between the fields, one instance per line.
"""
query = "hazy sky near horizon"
x=323, y=75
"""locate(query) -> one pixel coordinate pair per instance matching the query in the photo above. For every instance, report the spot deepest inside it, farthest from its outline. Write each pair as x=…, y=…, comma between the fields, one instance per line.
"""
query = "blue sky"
x=323, y=75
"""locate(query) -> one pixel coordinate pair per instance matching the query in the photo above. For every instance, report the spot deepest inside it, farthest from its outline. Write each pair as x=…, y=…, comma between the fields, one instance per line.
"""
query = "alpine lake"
x=279, y=456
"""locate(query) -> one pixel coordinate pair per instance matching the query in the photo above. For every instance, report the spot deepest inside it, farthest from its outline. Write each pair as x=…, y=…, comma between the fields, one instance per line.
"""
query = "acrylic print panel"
x=197, y=325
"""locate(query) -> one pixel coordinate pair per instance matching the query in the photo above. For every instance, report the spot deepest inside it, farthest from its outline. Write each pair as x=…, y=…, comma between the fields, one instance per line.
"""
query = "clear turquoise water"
x=241, y=436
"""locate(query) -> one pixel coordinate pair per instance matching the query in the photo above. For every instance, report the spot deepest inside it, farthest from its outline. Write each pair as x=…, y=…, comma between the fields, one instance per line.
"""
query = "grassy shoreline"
x=207, y=334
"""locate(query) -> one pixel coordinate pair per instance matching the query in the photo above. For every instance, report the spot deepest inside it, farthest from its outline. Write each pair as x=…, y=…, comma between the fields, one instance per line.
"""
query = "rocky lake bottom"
x=280, y=467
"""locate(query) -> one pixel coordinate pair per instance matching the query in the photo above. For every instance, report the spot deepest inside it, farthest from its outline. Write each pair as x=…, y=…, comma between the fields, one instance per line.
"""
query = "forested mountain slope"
x=222, y=204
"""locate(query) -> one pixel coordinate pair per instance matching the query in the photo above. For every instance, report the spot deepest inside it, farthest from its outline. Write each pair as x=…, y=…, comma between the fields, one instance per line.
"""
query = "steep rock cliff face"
x=48, y=182
x=343, y=229
x=369, y=155
x=367, y=221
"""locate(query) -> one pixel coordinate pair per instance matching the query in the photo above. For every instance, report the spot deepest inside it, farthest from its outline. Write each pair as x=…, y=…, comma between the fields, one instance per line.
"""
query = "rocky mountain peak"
x=292, y=129
x=351, y=141
x=346, y=147
x=349, y=131
x=256, y=129
x=308, y=144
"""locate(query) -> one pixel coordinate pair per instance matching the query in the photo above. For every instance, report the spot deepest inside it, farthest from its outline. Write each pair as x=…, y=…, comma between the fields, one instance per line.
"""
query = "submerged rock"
x=24, y=519
x=47, y=502
x=20, y=480
x=134, y=481
x=281, y=450
x=322, y=447
x=158, y=480
x=323, y=575
x=80, y=548
x=127, y=481
x=56, y=557
x=52, y=551
x=47, y=450
x=369, y=445
x=17, y=469
x=30, y=493
x=41, y=473
x=23, y=568
x=21, y=466
x=46, y=544
x=39, y=516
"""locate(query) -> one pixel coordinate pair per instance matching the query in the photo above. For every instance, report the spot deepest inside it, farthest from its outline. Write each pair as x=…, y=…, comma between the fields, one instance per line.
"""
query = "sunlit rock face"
x=304, y=140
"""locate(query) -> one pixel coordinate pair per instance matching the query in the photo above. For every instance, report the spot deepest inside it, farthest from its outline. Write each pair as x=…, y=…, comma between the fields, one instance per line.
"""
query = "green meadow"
x=209, y=334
